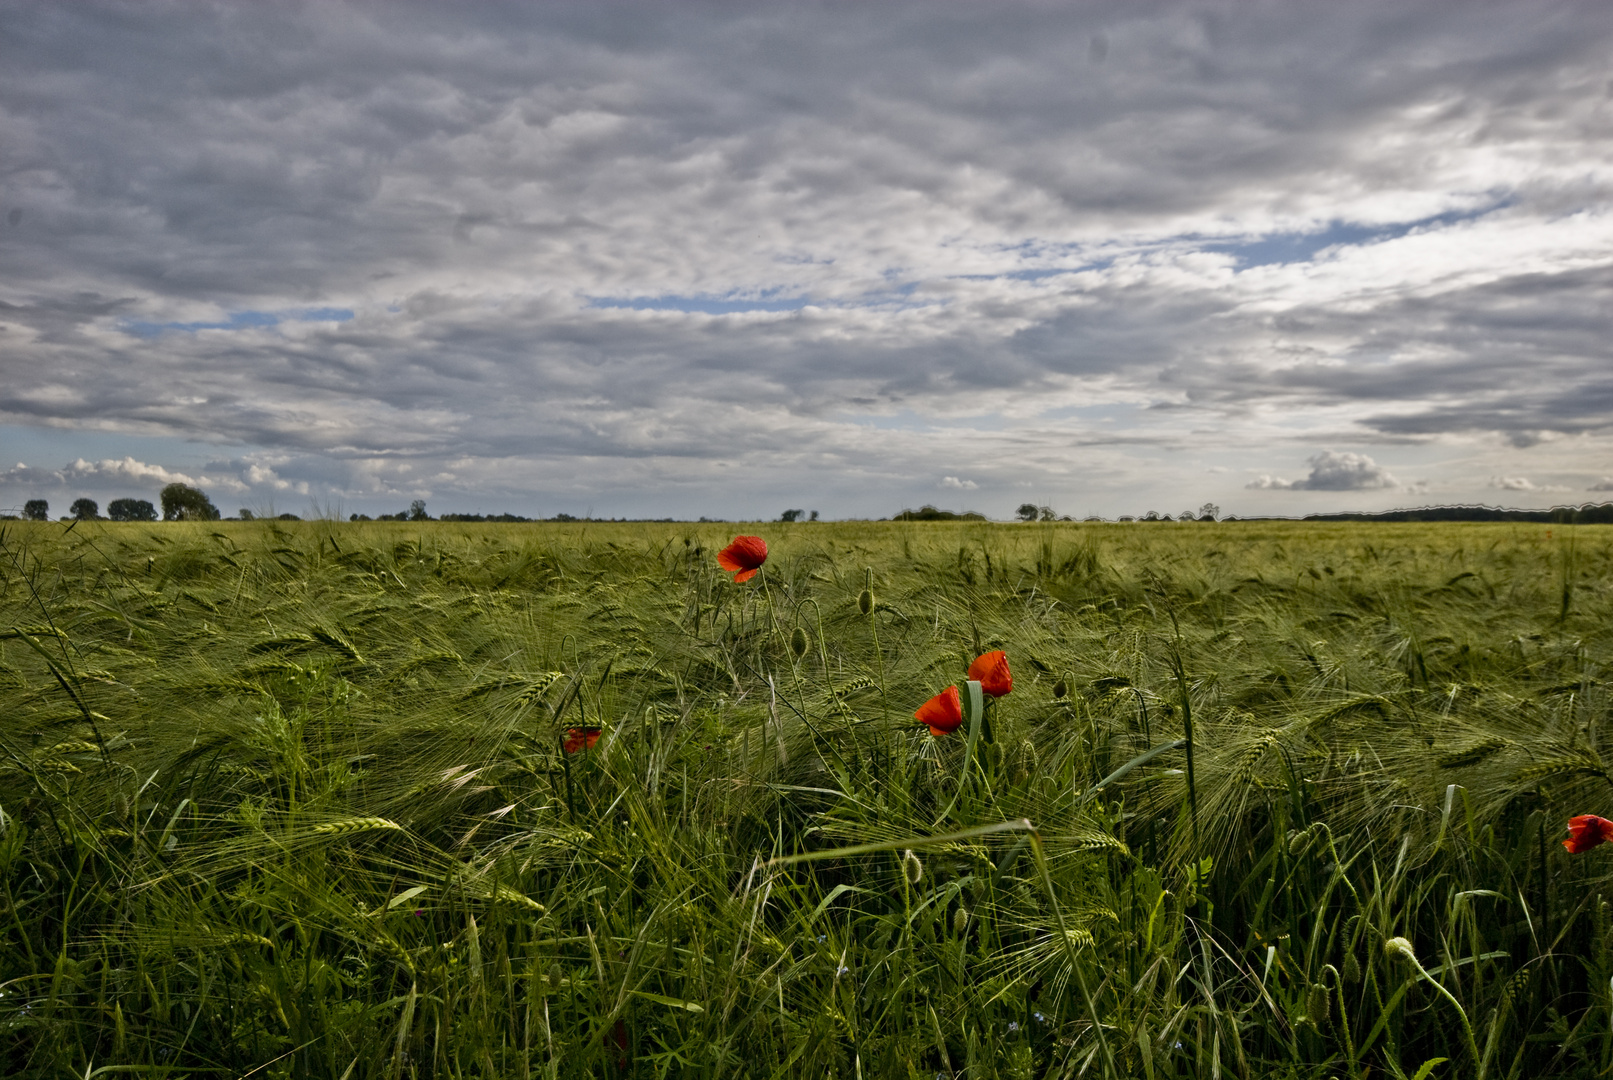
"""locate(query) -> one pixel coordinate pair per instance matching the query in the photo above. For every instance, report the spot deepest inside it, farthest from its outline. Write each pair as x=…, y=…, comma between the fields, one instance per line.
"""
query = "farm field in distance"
x=1267, y=799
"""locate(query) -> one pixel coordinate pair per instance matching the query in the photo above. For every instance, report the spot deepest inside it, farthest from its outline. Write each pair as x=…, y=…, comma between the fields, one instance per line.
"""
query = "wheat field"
x=1267, y=799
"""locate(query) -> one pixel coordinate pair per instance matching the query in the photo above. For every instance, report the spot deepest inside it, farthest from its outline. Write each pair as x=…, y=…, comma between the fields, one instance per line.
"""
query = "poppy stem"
x=879, y=655
x=1187, y=731
x=1109, y=1068
x=974, y=700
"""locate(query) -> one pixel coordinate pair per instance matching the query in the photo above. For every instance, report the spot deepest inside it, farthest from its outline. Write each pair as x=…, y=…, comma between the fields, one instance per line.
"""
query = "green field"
x=290, y=800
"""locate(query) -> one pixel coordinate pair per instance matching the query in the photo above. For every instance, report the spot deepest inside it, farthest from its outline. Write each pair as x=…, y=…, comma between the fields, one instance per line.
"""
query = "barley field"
x=1266, y=799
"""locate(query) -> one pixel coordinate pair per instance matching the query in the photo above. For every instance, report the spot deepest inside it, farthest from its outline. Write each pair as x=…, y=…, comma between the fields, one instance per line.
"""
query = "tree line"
x=180, y=502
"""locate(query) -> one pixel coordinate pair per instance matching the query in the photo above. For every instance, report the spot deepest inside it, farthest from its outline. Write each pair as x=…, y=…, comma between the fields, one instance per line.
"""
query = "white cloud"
x=1520, y=483
x=262, y=476
x=1604, y=484
x=957, y=484
x=125, y=471
x=1332, y=471
x=128, y=474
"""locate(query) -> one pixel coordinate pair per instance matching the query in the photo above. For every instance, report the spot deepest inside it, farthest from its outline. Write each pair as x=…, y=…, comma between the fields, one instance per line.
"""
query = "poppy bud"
x=1399, y=946
x=960, y=921
x=865, y=601
x=798, y=642
x=1029, y=763
x=1316, y=1004
x=912, y=867
x=554, y=976
x=1061, y=688
x=1298, y=841
x=1352, y=968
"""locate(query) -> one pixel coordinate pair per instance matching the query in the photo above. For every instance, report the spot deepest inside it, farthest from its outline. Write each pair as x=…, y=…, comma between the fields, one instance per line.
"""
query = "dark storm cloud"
x=1393, y=218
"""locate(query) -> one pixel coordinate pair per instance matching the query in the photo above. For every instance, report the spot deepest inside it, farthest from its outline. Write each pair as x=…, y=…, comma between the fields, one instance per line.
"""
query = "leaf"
x=405, y=896
x=834, y=894
x=1428, y=1067
x=1140, y=759
x=1017, y=825
x=676, y=1003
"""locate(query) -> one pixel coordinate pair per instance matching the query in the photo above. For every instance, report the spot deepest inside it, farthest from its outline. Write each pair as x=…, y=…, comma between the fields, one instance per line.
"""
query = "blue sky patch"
x=1037, y=275
x=704, y=305
x=1296, y=247
x=767, y=300
x=240, y=320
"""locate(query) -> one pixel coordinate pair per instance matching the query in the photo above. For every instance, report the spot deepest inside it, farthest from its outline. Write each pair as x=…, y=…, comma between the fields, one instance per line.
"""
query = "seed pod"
x=1352, y=967
x=912, y=867
x=554, y=976
x=1298, y=841
x=960, y=920
x=1029, y=763
x=865, y=601
x=1061, y=689
x=1399, y=946
x=798, y=642
x=1316, y=1004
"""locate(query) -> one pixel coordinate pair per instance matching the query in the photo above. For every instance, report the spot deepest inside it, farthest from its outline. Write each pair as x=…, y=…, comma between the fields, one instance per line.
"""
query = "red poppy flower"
x=744, y=556
x=580, y=738
x=1586, y=831
x=943, y=713
x=991, y=671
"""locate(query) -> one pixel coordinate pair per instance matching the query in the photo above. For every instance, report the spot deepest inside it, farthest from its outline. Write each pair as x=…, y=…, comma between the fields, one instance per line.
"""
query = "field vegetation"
x=295, y=799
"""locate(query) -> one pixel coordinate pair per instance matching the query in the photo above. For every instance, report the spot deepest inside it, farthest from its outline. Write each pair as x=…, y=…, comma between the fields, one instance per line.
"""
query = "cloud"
x=1331, y=471
x=957, y=484
x=1604, y=484
x=1520, y=483
x=566, y=252
x=235, y=477
x=108, y=473
x=262, y=476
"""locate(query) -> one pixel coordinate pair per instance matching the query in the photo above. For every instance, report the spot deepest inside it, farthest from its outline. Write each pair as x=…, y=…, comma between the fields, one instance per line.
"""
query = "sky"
x=724, y=260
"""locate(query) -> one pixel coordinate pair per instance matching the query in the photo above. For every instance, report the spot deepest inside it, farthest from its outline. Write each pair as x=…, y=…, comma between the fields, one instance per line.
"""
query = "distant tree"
x=791, y=515
x=417, y=511
x=131, y=510
x=359, y=517
x=85, y=510
x=181, y=502
x=930, y=513
x=1185, y=515
x=36, y=510
x=1028, y=512
x=1047, y=513
x=288, y=517
x=1152, y=515
x=1209, y=512
x=247, y=515
x=814, y=516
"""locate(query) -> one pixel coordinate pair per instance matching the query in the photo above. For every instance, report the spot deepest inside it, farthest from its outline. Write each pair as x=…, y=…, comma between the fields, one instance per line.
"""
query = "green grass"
x=289, y=800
